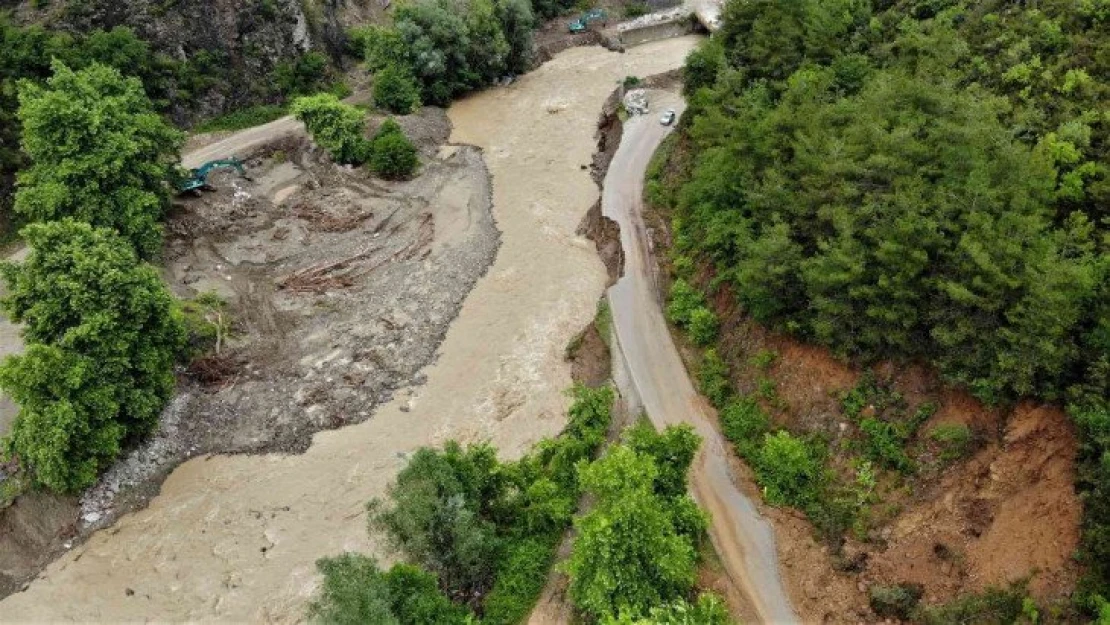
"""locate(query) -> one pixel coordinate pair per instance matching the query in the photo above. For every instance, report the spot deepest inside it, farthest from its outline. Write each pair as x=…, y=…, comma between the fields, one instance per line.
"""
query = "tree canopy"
x=449, y=48
x=102, y=334
x=99, y=153
x=914, y=179
x=336, y=126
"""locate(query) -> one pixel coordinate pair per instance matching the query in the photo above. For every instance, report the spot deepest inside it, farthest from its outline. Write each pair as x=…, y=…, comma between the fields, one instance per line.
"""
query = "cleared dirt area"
x=235, y=538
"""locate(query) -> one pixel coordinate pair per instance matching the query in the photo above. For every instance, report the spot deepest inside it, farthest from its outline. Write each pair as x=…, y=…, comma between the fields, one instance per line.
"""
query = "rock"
x=92, y=517
x=636, y=102
x=946, y=568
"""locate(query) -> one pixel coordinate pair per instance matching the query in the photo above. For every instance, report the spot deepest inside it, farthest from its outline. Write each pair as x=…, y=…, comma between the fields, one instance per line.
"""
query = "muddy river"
x=235, y=538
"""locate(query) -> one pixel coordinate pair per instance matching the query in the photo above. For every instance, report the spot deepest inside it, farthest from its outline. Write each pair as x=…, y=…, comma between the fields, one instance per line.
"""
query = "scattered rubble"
x=636, y=102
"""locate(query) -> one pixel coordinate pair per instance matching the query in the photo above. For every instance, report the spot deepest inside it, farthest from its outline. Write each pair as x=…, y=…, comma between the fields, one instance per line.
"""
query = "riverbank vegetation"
x=480, y=535
x=447, y=51
x=102, y=329
x=910, y=180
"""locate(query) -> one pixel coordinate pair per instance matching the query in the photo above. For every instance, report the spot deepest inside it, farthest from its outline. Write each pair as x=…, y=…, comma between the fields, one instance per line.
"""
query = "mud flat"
x=236, y=537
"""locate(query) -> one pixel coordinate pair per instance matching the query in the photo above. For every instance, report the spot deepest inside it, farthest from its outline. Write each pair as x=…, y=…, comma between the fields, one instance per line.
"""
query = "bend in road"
x=743, y=538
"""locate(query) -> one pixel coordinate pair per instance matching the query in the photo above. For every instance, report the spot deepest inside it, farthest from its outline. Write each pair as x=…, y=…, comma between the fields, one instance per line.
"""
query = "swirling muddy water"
x=234, y=538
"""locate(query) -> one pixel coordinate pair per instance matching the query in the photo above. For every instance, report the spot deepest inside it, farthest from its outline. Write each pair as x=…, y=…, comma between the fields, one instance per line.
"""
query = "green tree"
x=628, y=556
x=393, y=156
x=395, y=90
x=356, y=591
x=99, y=154
x=103, y=334
x=435, y=515
x=789, y=470
x=336, y=126
x=517, y=24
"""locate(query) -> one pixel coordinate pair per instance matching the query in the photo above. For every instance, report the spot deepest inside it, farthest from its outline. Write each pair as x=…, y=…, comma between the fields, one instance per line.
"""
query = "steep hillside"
x=918, y=181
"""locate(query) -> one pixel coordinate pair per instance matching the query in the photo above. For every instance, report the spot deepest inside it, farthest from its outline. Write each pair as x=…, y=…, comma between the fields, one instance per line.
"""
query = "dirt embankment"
x=1005, y=512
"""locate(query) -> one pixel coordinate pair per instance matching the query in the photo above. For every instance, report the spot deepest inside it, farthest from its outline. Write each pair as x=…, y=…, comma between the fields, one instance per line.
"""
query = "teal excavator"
x=197, y=179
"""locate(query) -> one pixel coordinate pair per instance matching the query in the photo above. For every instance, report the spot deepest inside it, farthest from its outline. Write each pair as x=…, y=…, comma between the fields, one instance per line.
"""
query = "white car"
x=668, y=117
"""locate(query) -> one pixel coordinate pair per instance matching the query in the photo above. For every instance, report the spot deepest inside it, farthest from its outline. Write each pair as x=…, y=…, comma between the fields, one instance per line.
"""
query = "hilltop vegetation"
x=917, y=180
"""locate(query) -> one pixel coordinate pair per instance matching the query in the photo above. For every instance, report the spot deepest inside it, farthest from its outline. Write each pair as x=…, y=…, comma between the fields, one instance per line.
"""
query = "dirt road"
x=744, y=540
x=234, y=538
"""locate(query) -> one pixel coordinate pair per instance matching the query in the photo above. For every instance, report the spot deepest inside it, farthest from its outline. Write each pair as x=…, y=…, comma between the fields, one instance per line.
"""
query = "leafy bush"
x=713, y=378
x=102, y=334
x=896, y=602
x=435, y=518
x=633, y=10
x=451, y=49
x=684, y=300
x=99, y=152
x=395, y=90
x=955, y=440
x=708, y=610
x=703, y=326
x=521, y=577
x=672, y=450
x=789, y=470
x=393, y=156
x=744, y=423
x=994, y=606
x=336, y=126
x=883, y=444
x=307, y=74
x=207, y=323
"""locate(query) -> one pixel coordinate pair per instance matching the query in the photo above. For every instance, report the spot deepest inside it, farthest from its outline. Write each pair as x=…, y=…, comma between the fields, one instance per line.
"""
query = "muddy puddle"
x=234, y=538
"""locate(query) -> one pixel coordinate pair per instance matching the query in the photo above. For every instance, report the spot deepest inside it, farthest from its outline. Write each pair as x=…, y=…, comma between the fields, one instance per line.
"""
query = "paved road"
x=243, y=142
x=744, y=539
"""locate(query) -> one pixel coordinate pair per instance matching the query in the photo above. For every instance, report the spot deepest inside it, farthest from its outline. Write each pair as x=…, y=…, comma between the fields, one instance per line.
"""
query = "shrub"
x=521, y=577
x=744, y=423
x=672, y=450
x=684, y=300
x=993, y=605
x=713, y=380
x=393, y=156
x=790, y=471
x=395, y=90
x=709, y=610
x=336, y=126
x=896, y=602
x=703, y=326
x=435, y=515
x=633, y=10
x=955, y=440
x=883, y=444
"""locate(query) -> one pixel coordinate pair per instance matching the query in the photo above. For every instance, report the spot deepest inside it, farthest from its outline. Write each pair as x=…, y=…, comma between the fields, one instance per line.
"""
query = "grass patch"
x=243, y=118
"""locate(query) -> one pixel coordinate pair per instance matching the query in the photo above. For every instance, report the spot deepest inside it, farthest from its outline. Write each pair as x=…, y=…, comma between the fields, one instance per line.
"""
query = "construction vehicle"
x=583, y=21
x=197, y=179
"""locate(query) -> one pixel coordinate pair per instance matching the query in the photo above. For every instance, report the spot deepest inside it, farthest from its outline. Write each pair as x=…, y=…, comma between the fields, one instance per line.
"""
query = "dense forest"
x=918, y=180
